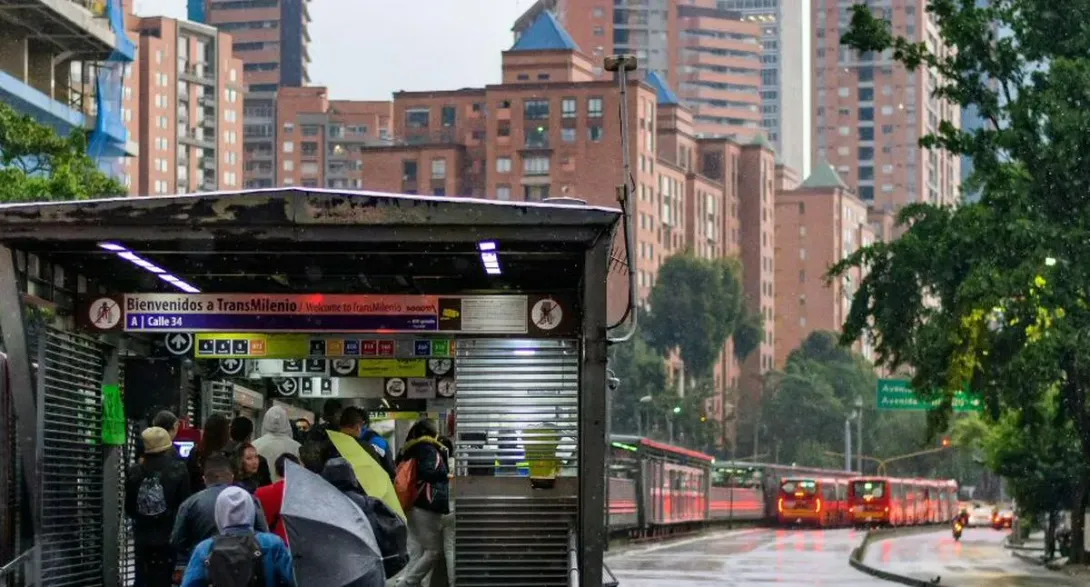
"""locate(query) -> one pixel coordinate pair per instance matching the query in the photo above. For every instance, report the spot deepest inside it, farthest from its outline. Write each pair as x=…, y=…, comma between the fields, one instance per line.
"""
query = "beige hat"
x=156, y=440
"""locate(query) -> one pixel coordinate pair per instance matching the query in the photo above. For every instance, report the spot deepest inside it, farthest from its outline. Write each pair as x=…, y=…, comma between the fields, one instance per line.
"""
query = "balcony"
x=79, y=27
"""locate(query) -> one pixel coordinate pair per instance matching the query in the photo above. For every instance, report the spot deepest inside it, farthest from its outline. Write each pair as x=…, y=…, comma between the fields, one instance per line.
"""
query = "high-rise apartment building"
x=321, y=141
x=56, y=56
x=871, y=111
x=271, y=38
x=551, y=129
x=184, y=102
x=819, y=223
x=786, y=71
x=711, y=56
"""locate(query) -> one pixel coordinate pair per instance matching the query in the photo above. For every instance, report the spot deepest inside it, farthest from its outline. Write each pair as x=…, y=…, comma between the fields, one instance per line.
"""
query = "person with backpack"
x=390, y=531
x=239, y=556
x=423, y=488
x=154, y=491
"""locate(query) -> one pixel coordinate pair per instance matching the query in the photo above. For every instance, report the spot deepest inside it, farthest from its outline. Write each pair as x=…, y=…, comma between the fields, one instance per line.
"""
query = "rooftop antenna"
x=622, y=65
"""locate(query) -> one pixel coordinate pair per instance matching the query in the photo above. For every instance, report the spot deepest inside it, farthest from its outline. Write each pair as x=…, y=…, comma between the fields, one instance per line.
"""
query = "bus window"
x=799, y=488
x=869, y=489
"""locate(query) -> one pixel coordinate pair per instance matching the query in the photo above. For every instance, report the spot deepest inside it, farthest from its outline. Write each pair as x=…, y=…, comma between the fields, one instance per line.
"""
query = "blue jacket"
x=279, y=570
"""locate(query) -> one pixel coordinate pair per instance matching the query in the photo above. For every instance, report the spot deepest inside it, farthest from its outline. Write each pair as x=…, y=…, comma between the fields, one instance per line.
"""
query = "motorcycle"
x=957, y=530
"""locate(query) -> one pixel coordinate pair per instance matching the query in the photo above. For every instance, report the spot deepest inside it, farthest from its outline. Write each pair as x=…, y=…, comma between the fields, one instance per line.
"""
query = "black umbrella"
x=331, y=540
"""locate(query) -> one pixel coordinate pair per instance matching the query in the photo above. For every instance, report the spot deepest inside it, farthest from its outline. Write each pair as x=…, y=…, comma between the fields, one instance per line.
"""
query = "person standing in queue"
x=377, y=442
x=196, y=519
x=247, y=464
x=317, y=444
x=271, y=497
x=214, y=439
x=242, y=432
x=154, y=491
x=276, y=437
x=352, y=422
x=432, y=498
x=165, y=420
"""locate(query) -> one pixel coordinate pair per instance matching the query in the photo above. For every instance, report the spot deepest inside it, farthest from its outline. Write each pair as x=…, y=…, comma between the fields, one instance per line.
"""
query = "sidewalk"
x=1032, y=550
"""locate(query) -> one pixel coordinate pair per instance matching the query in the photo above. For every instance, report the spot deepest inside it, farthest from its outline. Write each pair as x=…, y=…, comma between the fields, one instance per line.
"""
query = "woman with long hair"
x=214, y=438
x=247, y=465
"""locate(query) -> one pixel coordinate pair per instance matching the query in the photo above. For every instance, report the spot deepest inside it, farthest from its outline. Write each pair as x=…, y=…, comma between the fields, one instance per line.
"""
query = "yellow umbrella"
x=376, y=483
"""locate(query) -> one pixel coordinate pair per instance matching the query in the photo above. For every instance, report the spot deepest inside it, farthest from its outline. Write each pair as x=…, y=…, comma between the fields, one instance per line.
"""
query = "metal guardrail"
x=13, y=566
x=573, y=559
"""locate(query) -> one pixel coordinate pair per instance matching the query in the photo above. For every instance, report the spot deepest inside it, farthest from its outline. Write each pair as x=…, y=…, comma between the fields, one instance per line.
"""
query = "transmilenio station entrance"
x=487, y=316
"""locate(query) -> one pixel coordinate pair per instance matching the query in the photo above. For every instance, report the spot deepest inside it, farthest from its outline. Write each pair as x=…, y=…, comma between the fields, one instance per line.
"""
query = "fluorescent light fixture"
x=525, y=352
x=490, y=257
x=148, y=266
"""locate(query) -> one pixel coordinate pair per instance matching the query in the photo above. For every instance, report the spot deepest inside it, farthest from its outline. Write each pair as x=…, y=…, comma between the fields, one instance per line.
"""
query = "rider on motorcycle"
x=963, y=518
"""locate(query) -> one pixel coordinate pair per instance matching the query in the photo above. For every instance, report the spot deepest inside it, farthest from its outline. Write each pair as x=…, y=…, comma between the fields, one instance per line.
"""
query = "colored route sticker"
x=113, y=416
x=440, y=348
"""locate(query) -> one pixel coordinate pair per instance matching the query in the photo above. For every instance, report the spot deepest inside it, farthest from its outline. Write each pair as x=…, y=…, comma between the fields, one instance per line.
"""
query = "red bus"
x=870, y=501
x=821, y=502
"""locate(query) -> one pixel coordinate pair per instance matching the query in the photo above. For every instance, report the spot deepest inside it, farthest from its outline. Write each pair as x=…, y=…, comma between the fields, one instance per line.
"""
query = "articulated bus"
x=818, y=501
x=887, y=501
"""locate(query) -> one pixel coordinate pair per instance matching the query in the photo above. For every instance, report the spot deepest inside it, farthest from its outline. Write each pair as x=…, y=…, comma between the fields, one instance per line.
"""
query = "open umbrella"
x=369, y=472
x=331, y=540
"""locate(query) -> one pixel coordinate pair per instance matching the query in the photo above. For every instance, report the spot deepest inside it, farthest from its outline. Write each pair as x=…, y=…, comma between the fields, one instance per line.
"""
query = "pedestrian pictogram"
x=105, y=313
x=546, y=314
x=179, y=343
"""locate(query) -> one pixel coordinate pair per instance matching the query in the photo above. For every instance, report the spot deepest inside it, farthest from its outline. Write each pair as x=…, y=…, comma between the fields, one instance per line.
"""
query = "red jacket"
x=271, y=498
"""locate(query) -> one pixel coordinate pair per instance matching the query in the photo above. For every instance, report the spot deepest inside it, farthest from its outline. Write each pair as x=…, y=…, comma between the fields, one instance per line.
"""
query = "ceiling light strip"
x=124, y=253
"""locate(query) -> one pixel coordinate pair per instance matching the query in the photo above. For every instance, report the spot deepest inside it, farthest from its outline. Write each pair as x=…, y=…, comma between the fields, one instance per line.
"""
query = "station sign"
x=897, y=395
x=538, y=315
x=300, y=347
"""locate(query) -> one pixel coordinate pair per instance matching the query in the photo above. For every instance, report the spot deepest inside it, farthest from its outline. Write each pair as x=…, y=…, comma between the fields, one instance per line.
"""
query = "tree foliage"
x=36, y=163
x=993, y=294
x=695, y=306
x=642, y=373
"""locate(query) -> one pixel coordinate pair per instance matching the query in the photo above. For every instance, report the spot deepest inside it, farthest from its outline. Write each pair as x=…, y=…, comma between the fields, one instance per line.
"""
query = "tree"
x=1010, y=307
x=642, y=373
x=695, y=305
x=38, y=164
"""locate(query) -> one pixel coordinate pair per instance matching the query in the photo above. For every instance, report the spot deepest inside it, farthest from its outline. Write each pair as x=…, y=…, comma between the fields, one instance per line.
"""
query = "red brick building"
x=552, y=129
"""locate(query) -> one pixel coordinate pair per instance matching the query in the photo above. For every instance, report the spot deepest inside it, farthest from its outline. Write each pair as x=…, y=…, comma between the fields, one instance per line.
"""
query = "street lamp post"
x=848, y=444
x=639, y=417
x=859, y=433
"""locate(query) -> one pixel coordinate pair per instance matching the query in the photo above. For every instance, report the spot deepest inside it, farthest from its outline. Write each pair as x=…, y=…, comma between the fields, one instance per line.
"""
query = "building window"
x=537, y=137
x=503, y=192
x=503, y=165
x=408, y=170
x=449, y=115
x=438, y=169
x=866, y=133
x=569, y=108
x=865, y=153
x=594, y=107
x=536, y=109
x=289, y=165
x=535, y=193
x=535, y=166
x=418, y=118
x=567, y=135
x=595, y=133
x=289, y=147
x=866, y=192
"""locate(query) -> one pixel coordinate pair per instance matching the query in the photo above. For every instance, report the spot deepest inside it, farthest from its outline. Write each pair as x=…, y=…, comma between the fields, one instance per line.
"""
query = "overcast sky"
x=368, y=49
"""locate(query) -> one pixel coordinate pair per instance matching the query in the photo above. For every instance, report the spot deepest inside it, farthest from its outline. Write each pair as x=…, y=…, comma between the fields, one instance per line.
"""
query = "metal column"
x=13, y=329
x=113, y=491
x=592, y=415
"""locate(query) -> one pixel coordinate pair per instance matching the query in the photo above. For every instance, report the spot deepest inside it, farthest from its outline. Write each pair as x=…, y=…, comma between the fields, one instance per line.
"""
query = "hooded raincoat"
x=276, y=438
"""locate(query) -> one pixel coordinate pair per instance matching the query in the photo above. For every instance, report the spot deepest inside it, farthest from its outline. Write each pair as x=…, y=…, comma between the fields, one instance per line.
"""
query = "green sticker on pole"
x=113, y=416
x=897, y=395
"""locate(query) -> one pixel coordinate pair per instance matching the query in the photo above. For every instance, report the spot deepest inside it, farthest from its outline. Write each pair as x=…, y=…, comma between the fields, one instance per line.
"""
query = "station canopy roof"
x=310, y=240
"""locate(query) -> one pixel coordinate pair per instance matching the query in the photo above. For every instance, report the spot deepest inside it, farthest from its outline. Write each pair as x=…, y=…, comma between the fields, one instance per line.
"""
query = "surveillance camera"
x=613, y=383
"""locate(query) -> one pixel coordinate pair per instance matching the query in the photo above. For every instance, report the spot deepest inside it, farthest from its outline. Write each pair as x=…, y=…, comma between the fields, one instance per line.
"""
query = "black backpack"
x=235, y=560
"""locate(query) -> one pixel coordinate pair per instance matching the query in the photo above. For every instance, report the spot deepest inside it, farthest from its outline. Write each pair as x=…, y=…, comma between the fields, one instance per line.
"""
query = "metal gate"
x=70, y=424
x=509, y=390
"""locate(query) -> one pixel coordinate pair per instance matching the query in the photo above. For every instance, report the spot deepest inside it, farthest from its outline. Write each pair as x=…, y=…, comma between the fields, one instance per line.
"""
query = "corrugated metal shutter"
x=72, y=475
x=507, y=389
x=220, y=399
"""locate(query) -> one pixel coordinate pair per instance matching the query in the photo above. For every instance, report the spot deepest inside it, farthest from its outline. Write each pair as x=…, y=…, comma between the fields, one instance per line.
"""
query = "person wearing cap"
x=235, y=515
x=154, y=490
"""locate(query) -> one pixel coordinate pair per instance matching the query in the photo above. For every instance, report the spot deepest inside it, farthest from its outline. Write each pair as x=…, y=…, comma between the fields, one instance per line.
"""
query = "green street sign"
x=897, y=395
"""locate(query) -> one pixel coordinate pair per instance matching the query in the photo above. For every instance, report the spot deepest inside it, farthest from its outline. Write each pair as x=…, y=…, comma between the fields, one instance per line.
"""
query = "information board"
x=897, y=395
x=541, y=315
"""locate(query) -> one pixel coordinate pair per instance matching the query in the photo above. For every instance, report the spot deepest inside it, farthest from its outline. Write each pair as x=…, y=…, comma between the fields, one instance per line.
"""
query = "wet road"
x=978, y=560
x=745, y=557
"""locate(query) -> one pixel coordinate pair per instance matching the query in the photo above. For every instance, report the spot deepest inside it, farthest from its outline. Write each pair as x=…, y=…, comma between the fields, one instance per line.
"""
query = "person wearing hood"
x=390, y=531
x=276, y=438
x=432, y=499
x=235, y=514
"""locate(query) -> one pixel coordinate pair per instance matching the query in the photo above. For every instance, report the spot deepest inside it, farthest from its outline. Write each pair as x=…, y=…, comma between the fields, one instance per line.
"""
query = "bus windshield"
x=869, y=489
x=799, y=488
